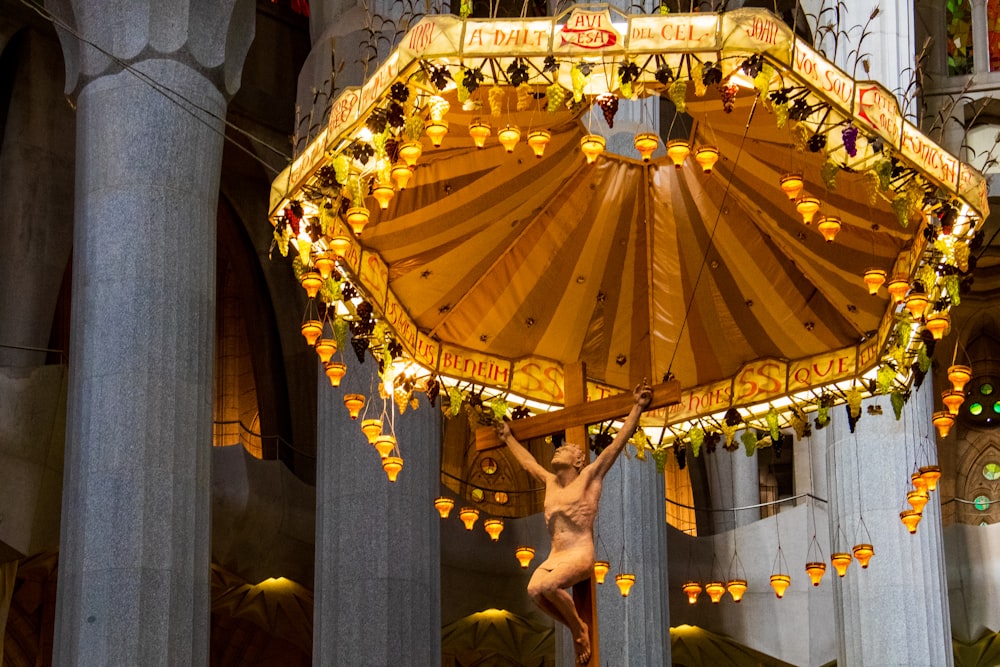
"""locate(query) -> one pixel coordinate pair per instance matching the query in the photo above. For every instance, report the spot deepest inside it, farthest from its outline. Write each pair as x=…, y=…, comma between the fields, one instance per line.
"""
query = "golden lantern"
x=468, y=515
x=325, y=347
x=958, y=376
x=780, y=583
x=677, y=151
x=953, y=400
x=692, y=589
x=841, y=560
x=311, y=282
x=897, y=288
x=715, y=590
x=479, y=131
x=401, y=173
x=943, y=421
x=863, y=554
x=538, y=140
x=339, y=245
x=791, y=185
x=410, y=152
x=931, y=474
x=354, y=403
x=383, y=194
x=910, y=519
x=807, y=208
x=916, y=303
x=917, y=500
x=919, y=483
x=335, y=371
x=392, y=465
x=815, y=570
x=443, y=505
x=736, y=588
x=357, y=218
x=311, y=330
x=601, y=568
x=625, y=581
x=325, y=262
x=384, y=444
x=509, y=136
x=829, y=227
x=524, y=556
x=707, y=156
x=372, y=428
x=493, y=528
x=436, y=129
x=873, y=279
x=592, y=145
x=937, y=324
x=646, y=143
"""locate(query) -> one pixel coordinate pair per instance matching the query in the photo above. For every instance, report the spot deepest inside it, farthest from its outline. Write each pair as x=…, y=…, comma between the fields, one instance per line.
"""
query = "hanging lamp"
x=357, y=218
x=959, y=375
x=311, y=281
x=443, y=505
x=677, y=151
x=841, y=560
x=707, y=156
x=807, y=208
x=311, y=330
x=372, y=428
x=646, y=143
x=863, y=554
x=335, y=371
x=736, y=588
x=625, y=581
x=401, y=173
x=524, y=556
x=780, y=583
x=493, y=528
x=897, y=288
x=692, y=589
x=592, y=145
x=509, y=136
x=815, y=570
x=324, y=263
x=916, y=302
x=601, y=568
x=384, y=444
x=791, y=185
x=339, y=245
x=919, y=483
x=436, y=129
x=938, y=324
x=910, y=519
x=943, y=421
x=410, y=152
x=354, y=403
x=953, y=400
x=829, y=227
x=874, y=278
x=480, y=132
x=468, y=515
x=325, y=348
x=931, y=474
x=715, y=590
x=392, y=465
x=383, y=194
x=538, y=140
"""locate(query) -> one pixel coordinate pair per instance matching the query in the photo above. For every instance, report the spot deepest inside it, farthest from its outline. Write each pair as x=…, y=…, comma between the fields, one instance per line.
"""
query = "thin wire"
x=745, y=507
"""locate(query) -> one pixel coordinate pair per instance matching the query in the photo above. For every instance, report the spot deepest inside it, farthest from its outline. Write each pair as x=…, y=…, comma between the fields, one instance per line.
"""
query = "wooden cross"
x=573, y=419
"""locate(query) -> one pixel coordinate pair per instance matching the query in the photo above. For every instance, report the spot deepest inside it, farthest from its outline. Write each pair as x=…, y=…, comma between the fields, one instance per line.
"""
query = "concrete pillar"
x=134, y=558
x=980, y=38
x=377, y=591
x=635, y=630
x=896, y=611
x=931, y=21
x=733, y=481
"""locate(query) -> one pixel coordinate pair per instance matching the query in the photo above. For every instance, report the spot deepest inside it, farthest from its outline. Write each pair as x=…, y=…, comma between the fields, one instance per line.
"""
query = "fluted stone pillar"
x=980, y=37
x=733, y=481
x=377, y=591
x=134, y=559
x=896, y=611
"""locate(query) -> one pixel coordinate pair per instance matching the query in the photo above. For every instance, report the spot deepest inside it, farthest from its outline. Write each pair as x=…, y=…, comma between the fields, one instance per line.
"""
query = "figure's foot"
x=582, y=645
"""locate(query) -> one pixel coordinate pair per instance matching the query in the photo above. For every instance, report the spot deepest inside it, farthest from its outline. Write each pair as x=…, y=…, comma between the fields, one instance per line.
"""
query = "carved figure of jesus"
x=572, y=494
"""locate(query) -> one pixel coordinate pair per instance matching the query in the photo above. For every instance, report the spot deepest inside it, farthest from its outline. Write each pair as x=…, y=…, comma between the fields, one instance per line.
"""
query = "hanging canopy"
x=498, y=268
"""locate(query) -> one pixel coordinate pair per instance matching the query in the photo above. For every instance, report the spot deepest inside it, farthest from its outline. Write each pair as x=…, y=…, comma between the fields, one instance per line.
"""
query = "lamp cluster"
x=923, y=481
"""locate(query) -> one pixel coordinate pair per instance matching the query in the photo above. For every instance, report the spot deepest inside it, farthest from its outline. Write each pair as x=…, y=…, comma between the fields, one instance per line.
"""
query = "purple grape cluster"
x=850, y=138
x=728, y=95
x=609, y=106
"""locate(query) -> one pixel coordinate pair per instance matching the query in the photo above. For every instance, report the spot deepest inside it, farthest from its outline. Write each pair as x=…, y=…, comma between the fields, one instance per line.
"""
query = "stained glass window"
x=982, y=503
x=959, y=18
x=991, y=471
x=993, y=30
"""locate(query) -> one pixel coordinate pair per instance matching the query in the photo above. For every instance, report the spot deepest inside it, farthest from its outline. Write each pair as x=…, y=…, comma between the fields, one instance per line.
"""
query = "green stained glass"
x=982, y=503
x=991, y=471
x=976, y=409
x=986, y=389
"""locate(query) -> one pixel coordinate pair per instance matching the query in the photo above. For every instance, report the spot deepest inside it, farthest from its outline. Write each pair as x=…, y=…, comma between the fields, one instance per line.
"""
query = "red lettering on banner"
x=426, y=351
x=343, y=110
x=837, y=85
x=762, y=379
x=806, y=64
x=421, y=36
x=878, y=110
x=763, y=30
x=589, y=30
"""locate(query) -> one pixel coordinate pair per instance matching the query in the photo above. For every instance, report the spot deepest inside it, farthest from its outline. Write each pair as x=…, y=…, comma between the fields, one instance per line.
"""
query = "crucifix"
x=572, y=493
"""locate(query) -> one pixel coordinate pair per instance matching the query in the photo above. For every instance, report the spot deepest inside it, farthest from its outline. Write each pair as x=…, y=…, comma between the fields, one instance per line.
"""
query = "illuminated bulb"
x=677, y=151
x=383, y=194
x=625, y=582
x=601, y=568
x=538, y=140
x=897, y=288
x=311, y=282
x=815, y=570
x=916, y=303
x=592, y=145
x=354, y=403
x=524, y=556
x=917, y=500
x=874, y=278
x=715, y=590
x=930, y=474
x=943, y=421
x=325, y=347
x=829, y=227
x=401, y=173
x=468, y=515
x=508, y=137
x=953, y=400
x=780, y=583
x=335, y=371
x=841, y=560
x=958, y=376
x=325, y=262
x=443, y=505
x=736, y=588
x=938, y=324
x=392, y=465
x=384, y=444
x=910, y=519
x=791, y=185
x=357, y=218
x=436, y=129
x=863, y=554
x=692, y=589
x=807, y=207
x=646, y=143
x=479, y=131
x=707, y=156
x=410, y=152
x=493, y=528
x=339, y=245
x=311, y=330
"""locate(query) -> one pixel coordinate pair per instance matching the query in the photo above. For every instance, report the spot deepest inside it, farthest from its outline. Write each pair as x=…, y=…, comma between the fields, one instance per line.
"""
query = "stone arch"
x=973, y=483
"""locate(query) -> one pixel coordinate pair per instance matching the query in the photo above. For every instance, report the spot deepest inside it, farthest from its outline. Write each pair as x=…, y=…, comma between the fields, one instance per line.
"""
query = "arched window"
x=959, y=20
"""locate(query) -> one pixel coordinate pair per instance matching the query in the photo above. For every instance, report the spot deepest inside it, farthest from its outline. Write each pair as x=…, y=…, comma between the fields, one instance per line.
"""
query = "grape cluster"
x=850, y=138
x=728, y=95
x=556, y=96
x=524, y=97
x=678, y=94
x=609, y=107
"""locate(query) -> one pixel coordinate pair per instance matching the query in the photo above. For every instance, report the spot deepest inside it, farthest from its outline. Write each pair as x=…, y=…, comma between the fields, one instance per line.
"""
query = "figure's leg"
x=546, y=590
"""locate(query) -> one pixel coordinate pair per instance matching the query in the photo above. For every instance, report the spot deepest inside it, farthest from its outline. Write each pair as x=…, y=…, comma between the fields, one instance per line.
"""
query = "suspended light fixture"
x=677, y=151
x=943, y=421
x=917, y=500
x=335, y=371
x=692, y=589
x=436, y=129
x=443, y=505
x=874, y=278
x=646, y=143
x=780, y=583
x=383, y=194
x=384, y=444
x=538, y=140
x=807, y=208
x=910, y=519
x=324, y=262
x=410, y=152
x=958, y=376
x=493, y=528
x=311, y=330
x=863, y=554
x=953, y=400
x=509, y=136
x=625, y=581
x=592, y=145
x=372, y=428
x=931, y=474
x=841, y=560
x=829, y=227
x=357, y=218
x=392, y=465
x=707, y=156
x=791, y=185
x=468, y=515
x=354, y=403
x=916, y=302
x=815, y=570
x=325, y=347
x=938, y=324
x=339, y=245
x=479, y=131
x=919, y=483
x=897, y=288
x=401, y=173
x=311, y=281
x=601, y=568
x=715, y=590
x=736, y=588
x=524, y=556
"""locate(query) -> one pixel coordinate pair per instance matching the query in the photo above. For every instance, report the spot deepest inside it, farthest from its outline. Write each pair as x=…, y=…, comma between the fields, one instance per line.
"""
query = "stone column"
x=134, y=559
x=980, y=38
x=635, y=630
x=733, y=481
x=377, y=591
x=896, y=611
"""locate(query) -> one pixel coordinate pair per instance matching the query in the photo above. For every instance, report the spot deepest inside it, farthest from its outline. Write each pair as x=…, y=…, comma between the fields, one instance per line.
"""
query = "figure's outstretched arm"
x=602, y=464
x=523, y=456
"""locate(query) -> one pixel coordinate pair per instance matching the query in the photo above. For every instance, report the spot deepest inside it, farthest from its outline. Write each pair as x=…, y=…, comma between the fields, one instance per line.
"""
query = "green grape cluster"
x=556, y=96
